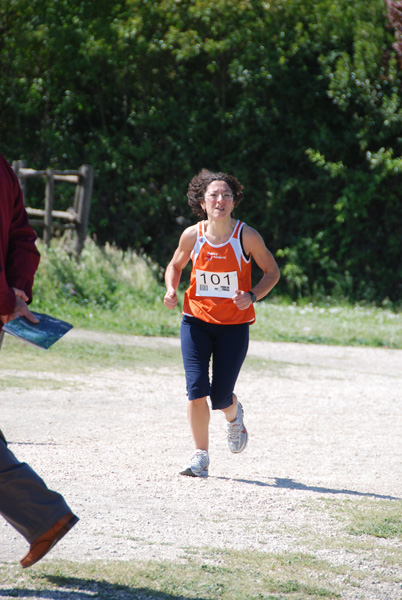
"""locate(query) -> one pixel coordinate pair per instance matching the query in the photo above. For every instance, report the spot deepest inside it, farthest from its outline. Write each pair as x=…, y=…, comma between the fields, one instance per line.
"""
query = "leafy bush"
x=300, y=99
x=107, y=278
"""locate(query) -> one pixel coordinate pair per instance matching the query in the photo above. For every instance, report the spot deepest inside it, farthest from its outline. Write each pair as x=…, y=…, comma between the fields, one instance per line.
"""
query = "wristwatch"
x=253, y=296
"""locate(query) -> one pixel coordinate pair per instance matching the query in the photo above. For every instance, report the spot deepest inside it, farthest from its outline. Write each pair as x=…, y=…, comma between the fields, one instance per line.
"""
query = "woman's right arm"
x=175, y=267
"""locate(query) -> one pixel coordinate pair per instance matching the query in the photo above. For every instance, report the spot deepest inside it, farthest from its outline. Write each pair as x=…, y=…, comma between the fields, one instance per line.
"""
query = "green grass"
x=220, y=575
x=380, y=522
x=71, y=356
x=112, y=290
x=339, y=325
x=31, y=382
x=234, y=576
x=364, y=521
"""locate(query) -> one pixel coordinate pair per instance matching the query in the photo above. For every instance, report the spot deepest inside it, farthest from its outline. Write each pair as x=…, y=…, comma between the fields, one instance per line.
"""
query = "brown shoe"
x=47, y=540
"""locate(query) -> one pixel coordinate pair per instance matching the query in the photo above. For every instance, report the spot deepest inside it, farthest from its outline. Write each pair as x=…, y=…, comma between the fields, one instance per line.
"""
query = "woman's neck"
x=218, y=232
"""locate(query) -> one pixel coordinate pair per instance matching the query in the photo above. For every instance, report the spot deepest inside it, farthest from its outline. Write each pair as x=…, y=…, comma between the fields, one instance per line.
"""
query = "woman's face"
x=218, y=201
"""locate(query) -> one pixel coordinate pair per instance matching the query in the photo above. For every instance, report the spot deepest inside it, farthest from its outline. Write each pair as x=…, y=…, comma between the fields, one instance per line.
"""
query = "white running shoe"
x=236, y=432
x=198, y=465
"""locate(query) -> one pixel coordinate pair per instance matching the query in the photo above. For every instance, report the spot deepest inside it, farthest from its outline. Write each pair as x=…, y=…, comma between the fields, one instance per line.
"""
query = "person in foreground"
x=36, y=512
x=218, y=307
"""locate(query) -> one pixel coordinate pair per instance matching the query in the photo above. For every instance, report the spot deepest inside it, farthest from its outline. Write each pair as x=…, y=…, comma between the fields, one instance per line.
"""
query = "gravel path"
x=324, y=423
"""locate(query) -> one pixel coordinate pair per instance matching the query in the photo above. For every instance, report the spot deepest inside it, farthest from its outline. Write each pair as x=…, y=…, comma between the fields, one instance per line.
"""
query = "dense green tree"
x=301, y=99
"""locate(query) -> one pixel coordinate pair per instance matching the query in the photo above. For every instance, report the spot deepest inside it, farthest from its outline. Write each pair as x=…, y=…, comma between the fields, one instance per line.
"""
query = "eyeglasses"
x=225, y=196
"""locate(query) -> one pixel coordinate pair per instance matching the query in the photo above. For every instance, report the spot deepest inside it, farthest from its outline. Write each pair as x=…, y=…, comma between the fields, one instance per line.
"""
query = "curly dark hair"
x=198, y=186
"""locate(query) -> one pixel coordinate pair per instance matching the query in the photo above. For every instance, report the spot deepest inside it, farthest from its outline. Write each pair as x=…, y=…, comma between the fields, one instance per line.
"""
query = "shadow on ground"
x=73, y=588
x=290, y=484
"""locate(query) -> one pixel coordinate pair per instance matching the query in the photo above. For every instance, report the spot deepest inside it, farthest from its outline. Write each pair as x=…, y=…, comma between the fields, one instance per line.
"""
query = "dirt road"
x=324, y=422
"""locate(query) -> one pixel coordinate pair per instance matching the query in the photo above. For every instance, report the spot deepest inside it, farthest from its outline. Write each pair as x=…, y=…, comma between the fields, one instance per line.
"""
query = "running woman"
x=218, y=307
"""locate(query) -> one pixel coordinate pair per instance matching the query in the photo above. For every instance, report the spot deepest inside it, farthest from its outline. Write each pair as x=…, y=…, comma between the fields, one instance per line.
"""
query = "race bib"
x=220, y=285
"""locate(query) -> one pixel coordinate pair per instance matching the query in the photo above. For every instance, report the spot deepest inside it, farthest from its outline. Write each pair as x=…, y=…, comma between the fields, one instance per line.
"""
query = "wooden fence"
x=76, y=217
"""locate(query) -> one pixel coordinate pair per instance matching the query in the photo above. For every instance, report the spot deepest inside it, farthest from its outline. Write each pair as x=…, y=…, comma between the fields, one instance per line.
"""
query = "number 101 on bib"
x=221, y=285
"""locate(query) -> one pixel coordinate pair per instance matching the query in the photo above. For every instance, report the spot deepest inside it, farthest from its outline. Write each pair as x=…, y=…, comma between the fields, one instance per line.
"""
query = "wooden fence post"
x=49, y=196
x=17, y=165
x=82, y=204
x=76, y=217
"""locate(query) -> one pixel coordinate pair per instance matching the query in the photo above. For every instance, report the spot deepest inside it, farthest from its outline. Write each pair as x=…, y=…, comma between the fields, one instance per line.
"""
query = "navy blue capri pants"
x=227, y=345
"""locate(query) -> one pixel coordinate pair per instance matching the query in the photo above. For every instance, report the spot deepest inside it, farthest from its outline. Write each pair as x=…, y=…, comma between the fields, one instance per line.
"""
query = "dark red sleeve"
x=19, y=257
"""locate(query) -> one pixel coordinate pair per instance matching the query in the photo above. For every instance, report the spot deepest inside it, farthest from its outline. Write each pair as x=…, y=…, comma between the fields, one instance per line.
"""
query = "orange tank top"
x=217, y=272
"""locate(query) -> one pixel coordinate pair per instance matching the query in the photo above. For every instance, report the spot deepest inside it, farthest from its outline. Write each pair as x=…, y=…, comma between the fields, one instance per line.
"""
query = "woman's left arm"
x=254, y=246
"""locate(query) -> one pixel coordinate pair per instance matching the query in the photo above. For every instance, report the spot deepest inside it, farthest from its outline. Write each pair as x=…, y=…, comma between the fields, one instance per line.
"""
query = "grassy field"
x=119, y=291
